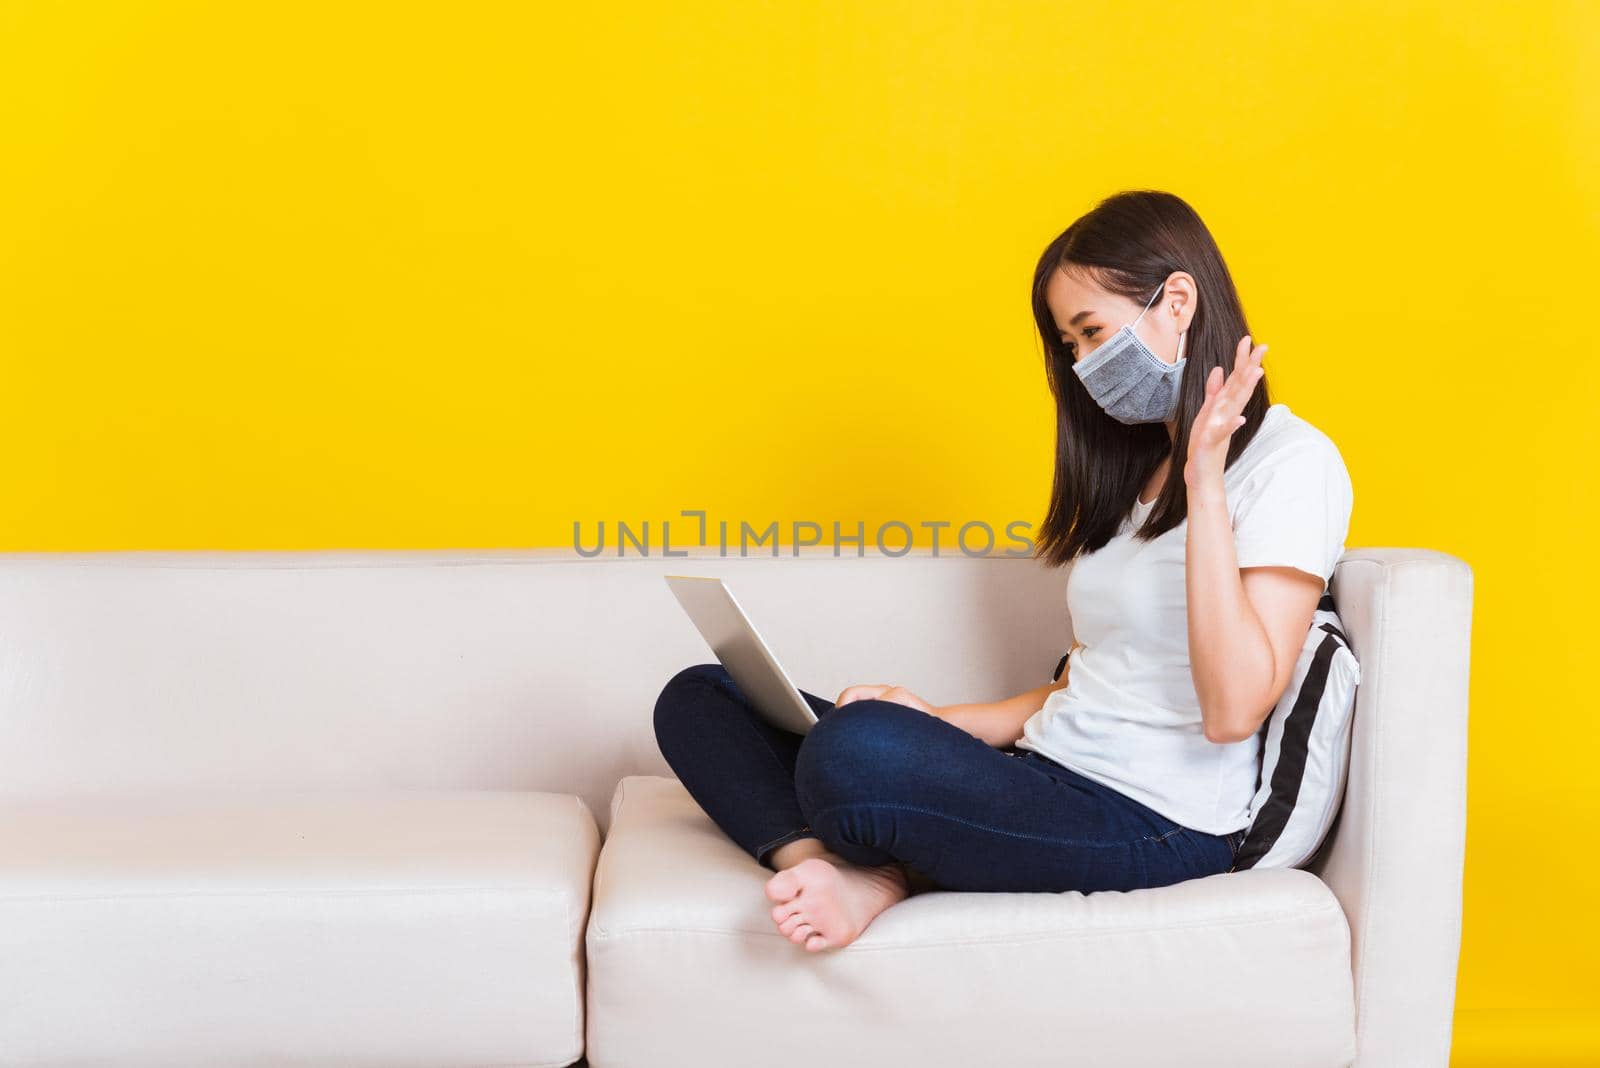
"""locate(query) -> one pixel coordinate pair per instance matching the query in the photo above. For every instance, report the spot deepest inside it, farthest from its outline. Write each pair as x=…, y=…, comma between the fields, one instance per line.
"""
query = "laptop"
x=733, y=638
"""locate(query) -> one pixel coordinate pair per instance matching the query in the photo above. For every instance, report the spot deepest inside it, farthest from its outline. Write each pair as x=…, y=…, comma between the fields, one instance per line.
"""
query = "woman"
x=1190, y=597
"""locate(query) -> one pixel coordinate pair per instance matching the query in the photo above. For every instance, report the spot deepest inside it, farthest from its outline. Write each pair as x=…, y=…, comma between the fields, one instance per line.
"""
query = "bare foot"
x=825, y=902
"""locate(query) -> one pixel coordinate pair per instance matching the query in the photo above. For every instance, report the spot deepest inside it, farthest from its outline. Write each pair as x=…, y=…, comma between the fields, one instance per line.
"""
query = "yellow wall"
x=363, y=274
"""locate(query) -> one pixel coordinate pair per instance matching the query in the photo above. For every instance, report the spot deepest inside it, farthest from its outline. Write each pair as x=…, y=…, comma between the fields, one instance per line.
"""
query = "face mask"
x=1130, y=382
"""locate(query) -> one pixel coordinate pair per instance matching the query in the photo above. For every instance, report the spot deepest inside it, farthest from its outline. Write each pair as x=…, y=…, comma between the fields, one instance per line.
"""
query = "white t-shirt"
x=1129, y=716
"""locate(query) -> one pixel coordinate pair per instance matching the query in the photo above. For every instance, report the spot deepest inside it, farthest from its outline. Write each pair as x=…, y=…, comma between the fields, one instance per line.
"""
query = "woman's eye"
x=1089, y=331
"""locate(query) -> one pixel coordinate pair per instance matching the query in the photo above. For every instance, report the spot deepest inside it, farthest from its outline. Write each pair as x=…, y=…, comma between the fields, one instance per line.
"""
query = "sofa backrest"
x=511, y=669
x=528, y=669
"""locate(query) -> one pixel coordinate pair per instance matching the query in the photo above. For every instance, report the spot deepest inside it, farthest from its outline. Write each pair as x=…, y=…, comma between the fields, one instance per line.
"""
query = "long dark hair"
x=1129, y=244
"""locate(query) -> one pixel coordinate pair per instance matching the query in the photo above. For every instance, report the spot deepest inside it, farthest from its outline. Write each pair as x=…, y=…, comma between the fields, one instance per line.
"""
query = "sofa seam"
x=1060, y=936
x=1369, y=881
x=160, y=895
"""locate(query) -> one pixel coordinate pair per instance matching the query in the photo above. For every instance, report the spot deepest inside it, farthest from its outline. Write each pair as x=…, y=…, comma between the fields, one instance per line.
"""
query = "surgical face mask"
x=1130, y=382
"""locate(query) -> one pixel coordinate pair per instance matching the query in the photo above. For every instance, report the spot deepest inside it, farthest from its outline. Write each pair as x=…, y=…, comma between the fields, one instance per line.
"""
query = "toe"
x=783, y=886
x=816, y=942
x=785, y=910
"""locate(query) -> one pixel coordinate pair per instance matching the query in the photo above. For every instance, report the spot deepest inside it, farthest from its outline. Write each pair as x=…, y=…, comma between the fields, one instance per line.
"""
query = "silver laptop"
x=733, y=638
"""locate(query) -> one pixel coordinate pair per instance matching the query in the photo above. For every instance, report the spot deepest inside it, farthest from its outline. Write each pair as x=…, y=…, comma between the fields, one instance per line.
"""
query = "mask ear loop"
x=1183, y=335
x=1159, y=290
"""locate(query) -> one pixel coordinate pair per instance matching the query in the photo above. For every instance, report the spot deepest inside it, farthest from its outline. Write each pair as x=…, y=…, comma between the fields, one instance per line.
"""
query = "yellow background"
x=302, y=275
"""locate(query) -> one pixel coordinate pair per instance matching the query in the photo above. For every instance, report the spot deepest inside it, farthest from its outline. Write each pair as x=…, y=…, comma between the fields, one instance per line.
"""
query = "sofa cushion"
x=685, y=966
x=392, y=928
x=1305, y=750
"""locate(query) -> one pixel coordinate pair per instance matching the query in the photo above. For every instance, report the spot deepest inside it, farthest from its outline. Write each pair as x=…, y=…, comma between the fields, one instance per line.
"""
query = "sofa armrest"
x=1394, y=857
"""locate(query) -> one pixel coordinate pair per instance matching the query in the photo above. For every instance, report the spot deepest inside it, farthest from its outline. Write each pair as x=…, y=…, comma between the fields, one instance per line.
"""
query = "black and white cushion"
x=1305, y=751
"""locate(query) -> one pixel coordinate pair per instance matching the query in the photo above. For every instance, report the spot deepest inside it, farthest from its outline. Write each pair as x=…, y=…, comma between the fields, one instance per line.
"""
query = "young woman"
x=1202, y=522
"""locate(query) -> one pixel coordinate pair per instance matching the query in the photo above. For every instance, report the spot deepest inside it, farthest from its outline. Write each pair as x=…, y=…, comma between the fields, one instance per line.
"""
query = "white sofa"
x=406, y=808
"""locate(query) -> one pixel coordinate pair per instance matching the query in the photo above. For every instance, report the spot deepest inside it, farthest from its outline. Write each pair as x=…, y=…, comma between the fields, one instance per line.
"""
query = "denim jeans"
x=879, y=782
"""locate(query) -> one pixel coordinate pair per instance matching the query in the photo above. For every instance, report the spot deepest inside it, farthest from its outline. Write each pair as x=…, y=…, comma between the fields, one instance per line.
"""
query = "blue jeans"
x=879, y=782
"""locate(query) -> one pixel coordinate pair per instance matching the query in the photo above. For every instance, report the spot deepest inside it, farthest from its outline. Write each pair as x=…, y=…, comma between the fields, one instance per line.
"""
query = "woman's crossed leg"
x=878, y=788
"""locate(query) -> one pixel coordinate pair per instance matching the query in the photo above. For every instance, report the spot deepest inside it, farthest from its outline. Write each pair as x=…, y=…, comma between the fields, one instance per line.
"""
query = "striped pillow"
x=1305, y=751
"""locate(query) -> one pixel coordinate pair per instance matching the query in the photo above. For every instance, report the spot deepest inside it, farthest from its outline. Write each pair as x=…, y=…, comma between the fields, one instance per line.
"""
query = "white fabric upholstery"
x=513, y=669
x=168, y=720
x=686, y=968
x=1395, y=855
x=308, y=928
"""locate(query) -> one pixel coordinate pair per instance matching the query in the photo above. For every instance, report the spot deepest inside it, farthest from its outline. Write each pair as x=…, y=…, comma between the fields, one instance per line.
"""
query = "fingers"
x=1226, y=393
x=1233, y=388
x=1246, y=373
x=903, y=696
x=1246, y=355
x=897, y=694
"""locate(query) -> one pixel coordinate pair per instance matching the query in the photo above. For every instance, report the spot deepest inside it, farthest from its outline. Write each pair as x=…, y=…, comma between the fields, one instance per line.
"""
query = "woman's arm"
x=999, y=723
x=1244, y=626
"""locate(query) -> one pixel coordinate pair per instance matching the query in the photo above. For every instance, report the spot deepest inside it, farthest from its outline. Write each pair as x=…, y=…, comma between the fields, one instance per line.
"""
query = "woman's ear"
x=1179, y=301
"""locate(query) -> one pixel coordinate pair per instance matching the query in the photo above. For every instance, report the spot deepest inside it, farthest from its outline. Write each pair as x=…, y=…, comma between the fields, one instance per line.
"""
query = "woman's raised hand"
x=1221, y=414
x=898, y=694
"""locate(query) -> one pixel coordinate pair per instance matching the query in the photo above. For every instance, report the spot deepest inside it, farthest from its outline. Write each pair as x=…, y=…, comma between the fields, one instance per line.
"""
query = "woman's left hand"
x=1220, y=415
x=898, y=694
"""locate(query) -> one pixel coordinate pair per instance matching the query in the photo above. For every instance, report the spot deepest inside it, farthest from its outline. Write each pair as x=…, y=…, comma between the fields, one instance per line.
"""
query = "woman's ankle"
x=794, y=851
